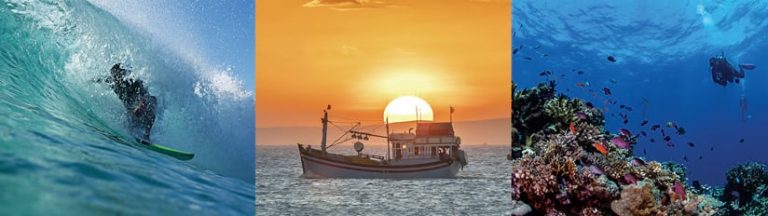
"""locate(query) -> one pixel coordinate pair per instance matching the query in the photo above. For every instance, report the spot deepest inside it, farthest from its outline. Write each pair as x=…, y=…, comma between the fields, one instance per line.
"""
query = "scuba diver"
x=724, y=73
x=136, y=99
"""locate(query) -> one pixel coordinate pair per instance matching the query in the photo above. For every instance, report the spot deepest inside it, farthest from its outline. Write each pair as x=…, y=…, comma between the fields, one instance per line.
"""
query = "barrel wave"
x=65, y=145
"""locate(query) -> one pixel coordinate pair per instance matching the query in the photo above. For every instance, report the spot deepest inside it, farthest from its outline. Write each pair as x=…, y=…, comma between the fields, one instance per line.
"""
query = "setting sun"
x=408, y=108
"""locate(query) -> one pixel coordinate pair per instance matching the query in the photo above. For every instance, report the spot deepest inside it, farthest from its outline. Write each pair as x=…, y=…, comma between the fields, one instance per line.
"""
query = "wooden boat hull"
x=315, y=166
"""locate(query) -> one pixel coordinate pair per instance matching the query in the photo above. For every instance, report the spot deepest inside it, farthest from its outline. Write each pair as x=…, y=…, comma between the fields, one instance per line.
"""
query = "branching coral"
x=587, y=134
x=539, y=111
x=528, y=114
x=747, y=189
x=676, y=168
x=562, y=110
x=691, y=204
x=533, y=179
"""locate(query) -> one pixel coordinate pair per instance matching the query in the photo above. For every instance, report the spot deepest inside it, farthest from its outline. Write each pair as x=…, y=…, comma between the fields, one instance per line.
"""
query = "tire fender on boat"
x=462, y=158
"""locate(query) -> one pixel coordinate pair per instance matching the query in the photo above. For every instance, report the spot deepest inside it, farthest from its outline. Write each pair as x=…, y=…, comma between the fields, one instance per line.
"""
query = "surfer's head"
x=118, y=72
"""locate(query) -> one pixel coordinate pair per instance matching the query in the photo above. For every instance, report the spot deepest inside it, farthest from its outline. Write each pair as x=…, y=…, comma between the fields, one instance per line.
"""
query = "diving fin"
x=747, y=66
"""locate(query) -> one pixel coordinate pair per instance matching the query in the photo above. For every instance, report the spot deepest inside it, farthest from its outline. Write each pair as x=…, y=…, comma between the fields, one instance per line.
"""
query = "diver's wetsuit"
x=136, y=99
x=723, y=72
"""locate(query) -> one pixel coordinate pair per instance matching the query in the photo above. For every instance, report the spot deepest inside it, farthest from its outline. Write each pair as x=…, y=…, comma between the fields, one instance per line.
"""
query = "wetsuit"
x=136, y=99
x=723, y=72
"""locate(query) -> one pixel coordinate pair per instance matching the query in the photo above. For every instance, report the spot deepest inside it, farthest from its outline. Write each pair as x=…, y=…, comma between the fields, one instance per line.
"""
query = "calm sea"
x=482, y=188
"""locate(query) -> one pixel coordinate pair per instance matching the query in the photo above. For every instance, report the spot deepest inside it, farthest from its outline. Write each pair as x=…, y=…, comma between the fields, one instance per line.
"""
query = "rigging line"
x=370, y=120
x=338, y=127
x=343, y=122
x=343, y=141
x=343, y=117
x=335, y=125
x=342, y=129
x=356, y=119
x=377, y=127
x=367, y=127
x=343, y=135
x=360, y=120
x=352, y=119
x=337, y=140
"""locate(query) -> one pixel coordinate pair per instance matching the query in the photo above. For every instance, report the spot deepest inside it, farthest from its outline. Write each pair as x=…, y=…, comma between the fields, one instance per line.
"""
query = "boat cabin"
x=434, y=140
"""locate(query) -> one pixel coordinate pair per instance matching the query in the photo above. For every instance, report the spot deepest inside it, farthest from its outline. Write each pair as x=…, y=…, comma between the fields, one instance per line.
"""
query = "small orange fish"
x=573, y=128
x=601, y=148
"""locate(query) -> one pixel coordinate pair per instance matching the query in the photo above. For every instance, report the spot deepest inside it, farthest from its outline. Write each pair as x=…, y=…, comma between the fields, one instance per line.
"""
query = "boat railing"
x=366, y=158
x=363, y=155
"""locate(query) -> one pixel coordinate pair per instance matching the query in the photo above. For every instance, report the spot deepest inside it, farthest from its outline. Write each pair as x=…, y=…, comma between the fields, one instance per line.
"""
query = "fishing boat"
x=431, y=151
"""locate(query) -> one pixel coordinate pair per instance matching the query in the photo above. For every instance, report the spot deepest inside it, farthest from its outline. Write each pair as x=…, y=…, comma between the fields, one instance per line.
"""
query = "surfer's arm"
x=139, y=109
x=107, y=80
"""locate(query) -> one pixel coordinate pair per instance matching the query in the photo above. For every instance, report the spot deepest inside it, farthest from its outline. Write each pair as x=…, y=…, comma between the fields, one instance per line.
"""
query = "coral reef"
x=528, y=113
x=538, y=112
x=746, y=192
x=568, y=164
x=636, y=200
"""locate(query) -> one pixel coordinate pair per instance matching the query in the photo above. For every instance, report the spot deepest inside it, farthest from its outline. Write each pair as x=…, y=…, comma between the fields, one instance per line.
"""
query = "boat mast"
x=388, y=144
x=325, y=127
x=418, y=117
x=512, y=124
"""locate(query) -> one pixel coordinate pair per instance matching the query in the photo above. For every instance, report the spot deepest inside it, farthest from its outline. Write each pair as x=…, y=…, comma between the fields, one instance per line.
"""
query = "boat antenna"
x=451, y=116
x=325, y=127
x=418, y=118
x=386, y=121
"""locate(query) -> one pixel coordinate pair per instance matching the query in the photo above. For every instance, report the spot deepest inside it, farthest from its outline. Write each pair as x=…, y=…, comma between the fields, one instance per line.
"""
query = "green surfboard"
x=178, y=154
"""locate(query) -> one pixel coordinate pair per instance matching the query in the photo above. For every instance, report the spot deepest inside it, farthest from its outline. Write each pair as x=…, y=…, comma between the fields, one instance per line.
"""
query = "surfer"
x=723, y=72
x=136, y=99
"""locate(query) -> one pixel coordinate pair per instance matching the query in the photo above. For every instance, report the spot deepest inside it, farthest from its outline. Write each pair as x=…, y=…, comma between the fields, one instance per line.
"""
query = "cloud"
x=347, y=4
x=325, y=3
x=349, y=50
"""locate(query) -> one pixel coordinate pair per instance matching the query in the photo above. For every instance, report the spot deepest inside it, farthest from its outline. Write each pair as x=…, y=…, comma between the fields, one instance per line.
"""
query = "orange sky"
x=359, y=55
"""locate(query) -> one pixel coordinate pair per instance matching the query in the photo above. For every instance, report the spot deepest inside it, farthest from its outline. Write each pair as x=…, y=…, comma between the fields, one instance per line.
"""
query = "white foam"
x=221, y=85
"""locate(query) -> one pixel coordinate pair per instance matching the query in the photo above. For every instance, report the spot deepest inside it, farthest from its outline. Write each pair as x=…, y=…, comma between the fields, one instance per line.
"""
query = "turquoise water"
x=64, y=146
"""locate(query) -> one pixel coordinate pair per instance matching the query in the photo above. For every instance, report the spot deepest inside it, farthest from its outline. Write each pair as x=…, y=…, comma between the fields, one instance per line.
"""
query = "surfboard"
x=175, y=153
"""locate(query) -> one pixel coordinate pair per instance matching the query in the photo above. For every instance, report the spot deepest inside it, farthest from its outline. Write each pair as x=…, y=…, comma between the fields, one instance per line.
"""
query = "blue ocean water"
x=65, y=148
x=661, y=72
